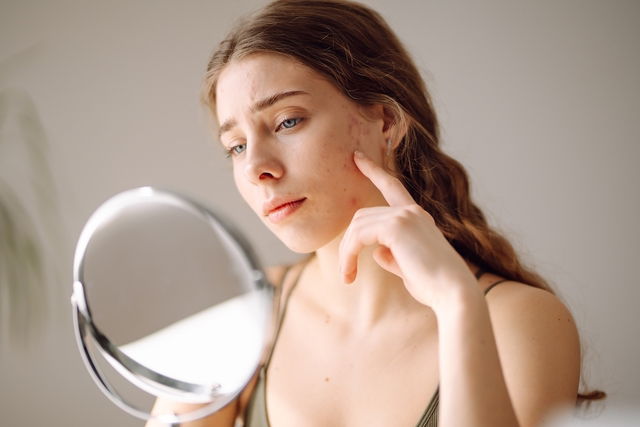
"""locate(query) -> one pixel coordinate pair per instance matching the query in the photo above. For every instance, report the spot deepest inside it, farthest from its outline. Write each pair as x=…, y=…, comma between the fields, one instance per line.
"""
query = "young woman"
x=410, y=310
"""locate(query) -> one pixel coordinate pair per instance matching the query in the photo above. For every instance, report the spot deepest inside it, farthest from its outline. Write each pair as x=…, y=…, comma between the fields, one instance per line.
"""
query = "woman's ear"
x=394, y=125
x=390, y=122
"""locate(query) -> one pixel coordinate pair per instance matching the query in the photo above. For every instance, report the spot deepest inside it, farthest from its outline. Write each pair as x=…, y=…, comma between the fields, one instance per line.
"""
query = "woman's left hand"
x=410, y=244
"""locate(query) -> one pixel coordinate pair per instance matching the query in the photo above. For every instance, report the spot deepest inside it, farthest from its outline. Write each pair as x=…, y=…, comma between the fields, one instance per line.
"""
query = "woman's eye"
x=289, y=123
x=236, y=149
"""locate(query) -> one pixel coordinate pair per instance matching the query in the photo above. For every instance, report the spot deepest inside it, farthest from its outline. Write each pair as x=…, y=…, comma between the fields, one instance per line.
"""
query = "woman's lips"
x=284, y=210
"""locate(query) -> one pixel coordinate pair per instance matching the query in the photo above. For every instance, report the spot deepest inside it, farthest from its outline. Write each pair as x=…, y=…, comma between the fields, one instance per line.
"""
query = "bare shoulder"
x=275, y=274
x=538, y=344
x=529, y=307
x=278, y=275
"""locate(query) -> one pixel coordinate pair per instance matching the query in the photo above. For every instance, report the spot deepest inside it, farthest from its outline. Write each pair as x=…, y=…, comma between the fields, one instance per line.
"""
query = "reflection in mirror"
x=172, y=299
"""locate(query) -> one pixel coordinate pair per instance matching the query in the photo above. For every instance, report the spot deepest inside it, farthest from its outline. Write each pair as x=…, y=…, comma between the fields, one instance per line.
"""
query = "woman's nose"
x=262, y=165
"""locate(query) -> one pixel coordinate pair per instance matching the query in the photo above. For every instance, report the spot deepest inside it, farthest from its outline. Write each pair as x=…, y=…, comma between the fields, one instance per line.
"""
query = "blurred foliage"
x=22, y=294
x=28, y=215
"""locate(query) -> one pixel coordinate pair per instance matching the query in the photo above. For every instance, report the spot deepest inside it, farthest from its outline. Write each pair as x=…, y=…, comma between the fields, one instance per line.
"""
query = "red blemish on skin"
x=355, y=127
x=350, y=127
x=353, y=202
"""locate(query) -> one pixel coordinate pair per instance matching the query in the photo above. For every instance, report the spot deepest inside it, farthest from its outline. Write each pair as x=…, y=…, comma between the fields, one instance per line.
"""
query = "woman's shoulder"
x=512, y=301
x=533, y=328
x=513, y=298
x=537, y=341
x=280, y=275
x=276, y=273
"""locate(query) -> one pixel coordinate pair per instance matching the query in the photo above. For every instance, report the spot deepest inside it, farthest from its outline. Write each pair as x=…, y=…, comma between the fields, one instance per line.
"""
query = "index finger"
x=391, y=188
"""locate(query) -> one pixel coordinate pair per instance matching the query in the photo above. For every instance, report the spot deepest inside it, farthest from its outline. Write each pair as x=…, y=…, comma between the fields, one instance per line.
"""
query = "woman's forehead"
x=244, y=82
x=260, y=72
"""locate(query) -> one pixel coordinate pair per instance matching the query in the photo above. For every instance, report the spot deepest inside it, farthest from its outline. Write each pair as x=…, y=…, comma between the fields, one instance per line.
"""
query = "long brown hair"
x=353, y=47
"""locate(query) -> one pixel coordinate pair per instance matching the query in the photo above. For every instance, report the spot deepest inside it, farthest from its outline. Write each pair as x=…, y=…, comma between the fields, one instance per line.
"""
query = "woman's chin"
x=300, y=246
x=303, y=242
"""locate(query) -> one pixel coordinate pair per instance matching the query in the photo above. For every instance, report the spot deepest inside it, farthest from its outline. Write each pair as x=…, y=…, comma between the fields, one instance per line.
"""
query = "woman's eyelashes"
x=288, y=123
x=235, y=150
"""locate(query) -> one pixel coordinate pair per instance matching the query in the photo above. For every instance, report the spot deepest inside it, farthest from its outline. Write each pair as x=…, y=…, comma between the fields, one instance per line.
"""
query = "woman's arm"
x=506, y=361
x=508, y=378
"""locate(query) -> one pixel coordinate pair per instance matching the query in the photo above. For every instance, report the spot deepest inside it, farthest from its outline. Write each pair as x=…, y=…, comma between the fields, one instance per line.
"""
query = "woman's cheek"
x=242, y=188
x=354, y=203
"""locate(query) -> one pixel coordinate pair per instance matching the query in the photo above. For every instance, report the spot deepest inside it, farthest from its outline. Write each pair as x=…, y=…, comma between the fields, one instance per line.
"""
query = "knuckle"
x=359, y=213
x=409, y=212
x=430, y=217
x=415, y=209
x=401, y=220
x=419, y=211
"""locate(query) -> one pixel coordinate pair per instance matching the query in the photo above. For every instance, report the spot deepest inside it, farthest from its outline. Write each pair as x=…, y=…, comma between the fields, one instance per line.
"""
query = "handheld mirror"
x=169, y=298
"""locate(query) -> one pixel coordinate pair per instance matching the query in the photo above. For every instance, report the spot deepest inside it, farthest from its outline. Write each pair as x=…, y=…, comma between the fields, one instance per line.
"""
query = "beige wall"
x=540, y=100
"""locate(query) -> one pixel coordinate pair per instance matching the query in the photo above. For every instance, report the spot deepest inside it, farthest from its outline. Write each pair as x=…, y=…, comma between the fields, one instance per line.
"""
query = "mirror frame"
x=146, y=379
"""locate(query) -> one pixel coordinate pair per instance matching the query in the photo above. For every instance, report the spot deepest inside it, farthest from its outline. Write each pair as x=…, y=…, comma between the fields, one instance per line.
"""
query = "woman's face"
x=291, y=135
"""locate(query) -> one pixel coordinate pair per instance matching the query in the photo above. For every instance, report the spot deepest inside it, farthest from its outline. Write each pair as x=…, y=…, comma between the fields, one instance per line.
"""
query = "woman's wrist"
x=458, y=299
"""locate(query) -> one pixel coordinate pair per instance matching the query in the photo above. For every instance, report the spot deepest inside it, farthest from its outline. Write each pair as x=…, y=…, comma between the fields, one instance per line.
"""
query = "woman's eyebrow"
x=261, y=105
x=270, y=100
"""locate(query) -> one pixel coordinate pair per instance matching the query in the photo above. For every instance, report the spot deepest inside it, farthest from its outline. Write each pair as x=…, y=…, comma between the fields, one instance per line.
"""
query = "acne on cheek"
x=351, y=143
x=348, y=165
x=356, y=128
x=360, y=132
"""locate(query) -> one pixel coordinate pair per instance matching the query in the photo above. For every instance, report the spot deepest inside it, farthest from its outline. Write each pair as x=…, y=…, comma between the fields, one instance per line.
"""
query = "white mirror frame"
x=148, y=380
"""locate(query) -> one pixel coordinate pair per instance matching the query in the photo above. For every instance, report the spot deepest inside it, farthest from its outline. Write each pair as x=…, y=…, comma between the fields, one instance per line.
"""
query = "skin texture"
x=386, y=309
x=276, y=163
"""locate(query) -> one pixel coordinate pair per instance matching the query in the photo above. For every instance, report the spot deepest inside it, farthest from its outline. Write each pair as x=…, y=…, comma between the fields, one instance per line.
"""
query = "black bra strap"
x=493, y=285
x=284, y=303
x=479, y=274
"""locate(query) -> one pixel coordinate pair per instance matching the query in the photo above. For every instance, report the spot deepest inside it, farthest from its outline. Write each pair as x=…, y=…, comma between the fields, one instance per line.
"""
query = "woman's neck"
x=375, y=293
x=373, y=296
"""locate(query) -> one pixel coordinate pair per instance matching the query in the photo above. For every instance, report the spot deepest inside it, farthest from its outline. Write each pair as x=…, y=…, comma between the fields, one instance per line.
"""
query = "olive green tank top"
x=256, y=414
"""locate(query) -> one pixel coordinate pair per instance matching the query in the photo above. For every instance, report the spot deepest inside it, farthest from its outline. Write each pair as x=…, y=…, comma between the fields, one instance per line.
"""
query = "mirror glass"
x=172, y=299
